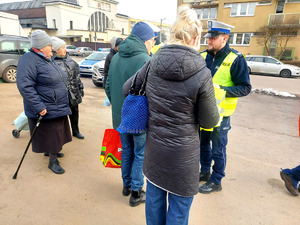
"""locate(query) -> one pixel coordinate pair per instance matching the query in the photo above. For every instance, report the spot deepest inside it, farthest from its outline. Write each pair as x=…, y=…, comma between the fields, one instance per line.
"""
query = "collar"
x=38, y=52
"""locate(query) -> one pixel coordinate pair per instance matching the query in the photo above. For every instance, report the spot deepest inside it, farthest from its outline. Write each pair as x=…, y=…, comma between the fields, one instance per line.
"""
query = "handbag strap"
x=54, y=67
x=143, y=87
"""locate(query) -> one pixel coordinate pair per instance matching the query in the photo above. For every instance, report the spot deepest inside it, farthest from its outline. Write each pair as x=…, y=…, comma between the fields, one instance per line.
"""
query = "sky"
x=153, y=10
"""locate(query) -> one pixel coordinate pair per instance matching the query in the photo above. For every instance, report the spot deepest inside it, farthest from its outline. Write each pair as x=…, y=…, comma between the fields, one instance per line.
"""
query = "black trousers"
x=74, y=119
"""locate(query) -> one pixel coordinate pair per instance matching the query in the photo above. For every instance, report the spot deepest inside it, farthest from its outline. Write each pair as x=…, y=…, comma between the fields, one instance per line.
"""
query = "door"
x=271, y=66
x=256, y=64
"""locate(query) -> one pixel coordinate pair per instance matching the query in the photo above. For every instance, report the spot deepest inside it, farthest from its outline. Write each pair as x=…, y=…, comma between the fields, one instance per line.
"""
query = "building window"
x=207, y=13
x=234, y=39
x=265, y=2
x=203, y=40
x=71, y=25
x=241, y=9
x=98, y=22
x=54, y=23
x=239, y=38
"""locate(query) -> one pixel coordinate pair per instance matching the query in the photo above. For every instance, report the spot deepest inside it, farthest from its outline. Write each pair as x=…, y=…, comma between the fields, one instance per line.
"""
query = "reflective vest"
x=223, y=78
x=220, y=100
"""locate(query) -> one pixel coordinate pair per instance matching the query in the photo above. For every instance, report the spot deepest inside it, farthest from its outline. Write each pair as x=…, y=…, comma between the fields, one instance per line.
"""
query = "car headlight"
x=96, y=67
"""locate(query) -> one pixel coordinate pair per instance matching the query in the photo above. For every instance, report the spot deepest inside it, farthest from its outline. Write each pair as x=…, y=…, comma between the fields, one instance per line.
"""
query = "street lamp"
x=161, y=29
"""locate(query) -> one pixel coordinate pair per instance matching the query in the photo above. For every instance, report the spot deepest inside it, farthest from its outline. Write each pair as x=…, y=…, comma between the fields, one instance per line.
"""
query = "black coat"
x=107, y=64
x=181, y=99
x=71, y=67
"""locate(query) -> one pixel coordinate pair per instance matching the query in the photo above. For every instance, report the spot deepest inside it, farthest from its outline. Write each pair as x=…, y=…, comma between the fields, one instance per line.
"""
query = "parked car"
x=11, y=49
x=71, y=49
x=269, y=65
x=83, y=51
x=93, y=66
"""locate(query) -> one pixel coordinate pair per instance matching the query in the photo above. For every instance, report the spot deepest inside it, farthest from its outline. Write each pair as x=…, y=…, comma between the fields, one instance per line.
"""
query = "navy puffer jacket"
x=41, y=86
x=181, y=98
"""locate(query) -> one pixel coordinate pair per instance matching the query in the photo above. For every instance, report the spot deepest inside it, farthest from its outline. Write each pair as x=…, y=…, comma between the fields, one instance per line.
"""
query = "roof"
x=33, y=4
x=30, y=13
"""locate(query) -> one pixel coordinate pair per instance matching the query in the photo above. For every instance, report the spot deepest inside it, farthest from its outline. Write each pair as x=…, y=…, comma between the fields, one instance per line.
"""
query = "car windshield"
x=97, y=56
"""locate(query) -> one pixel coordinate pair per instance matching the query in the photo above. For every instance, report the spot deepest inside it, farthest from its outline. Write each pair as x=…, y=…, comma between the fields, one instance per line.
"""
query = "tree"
x=280, y=30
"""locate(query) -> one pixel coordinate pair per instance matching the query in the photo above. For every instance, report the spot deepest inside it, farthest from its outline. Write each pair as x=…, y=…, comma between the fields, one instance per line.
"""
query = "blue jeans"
x=132, y=158
x=213, y=147
x=156, y=207
x=294, y=174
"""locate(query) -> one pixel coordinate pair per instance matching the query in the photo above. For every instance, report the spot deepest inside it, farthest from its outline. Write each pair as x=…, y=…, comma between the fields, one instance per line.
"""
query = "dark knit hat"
x=118, y=41
x=143, y=31
x=40, y=39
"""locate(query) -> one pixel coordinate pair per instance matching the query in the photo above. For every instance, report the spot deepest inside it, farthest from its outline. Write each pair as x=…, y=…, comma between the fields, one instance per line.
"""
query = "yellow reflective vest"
x=223, y=78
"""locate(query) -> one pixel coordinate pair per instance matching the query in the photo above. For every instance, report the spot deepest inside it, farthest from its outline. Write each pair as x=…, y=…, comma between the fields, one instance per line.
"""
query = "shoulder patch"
x=237, y=52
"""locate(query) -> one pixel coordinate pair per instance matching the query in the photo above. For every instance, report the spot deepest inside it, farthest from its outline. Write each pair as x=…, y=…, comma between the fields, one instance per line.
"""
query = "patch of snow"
x=270, y=91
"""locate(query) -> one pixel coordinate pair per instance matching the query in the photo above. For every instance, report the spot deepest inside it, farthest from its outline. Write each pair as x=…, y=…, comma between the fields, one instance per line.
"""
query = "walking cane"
x=37, y=124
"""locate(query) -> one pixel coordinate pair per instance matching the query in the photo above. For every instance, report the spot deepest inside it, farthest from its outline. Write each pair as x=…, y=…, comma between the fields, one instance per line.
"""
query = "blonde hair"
x=186, y=28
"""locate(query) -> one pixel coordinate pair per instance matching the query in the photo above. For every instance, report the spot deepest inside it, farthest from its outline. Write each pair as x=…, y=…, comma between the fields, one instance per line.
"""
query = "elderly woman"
x=181, y=98
x=67, y=64
x=41, y=83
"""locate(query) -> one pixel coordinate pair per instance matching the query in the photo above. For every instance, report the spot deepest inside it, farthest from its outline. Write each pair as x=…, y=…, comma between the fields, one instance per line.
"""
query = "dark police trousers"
x=213, y=147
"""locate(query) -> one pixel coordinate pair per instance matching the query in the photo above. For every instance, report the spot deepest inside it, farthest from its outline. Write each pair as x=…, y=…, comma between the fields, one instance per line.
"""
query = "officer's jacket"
x=238, y=71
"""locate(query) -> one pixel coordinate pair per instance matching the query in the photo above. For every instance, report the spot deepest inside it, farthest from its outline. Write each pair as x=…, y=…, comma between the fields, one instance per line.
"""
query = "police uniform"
x=229, y=70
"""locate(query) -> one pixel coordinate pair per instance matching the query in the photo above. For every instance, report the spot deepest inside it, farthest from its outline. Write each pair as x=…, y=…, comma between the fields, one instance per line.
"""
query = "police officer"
x=229, y=70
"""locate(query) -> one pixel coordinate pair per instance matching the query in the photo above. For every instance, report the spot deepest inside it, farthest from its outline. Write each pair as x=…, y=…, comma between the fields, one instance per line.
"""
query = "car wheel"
x=249, y=70
x=285, y=73
x=83, y=54
x=97, y=84
x=10, y=74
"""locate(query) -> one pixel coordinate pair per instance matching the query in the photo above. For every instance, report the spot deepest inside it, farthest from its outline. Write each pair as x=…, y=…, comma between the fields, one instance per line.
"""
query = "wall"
x=9, y=24
x=80, y=16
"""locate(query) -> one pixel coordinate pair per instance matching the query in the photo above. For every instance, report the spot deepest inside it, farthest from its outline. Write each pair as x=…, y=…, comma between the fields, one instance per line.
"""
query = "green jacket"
x=131, y=57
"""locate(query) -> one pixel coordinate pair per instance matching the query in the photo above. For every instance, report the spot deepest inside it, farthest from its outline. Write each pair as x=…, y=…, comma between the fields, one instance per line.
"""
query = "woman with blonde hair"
x=181, y=98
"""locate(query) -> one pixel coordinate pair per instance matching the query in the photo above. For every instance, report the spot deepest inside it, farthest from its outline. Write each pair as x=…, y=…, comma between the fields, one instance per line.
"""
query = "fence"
x=93, y=45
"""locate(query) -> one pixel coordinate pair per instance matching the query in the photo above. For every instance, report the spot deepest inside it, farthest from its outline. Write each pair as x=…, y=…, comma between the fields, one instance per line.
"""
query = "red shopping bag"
x=111, y=149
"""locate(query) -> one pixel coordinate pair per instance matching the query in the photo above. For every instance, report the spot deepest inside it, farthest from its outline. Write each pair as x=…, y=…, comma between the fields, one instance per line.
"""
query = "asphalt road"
x=264, y=138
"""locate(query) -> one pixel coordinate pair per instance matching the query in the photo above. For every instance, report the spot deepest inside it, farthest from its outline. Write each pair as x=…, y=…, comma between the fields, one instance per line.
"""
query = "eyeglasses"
x=152, y=41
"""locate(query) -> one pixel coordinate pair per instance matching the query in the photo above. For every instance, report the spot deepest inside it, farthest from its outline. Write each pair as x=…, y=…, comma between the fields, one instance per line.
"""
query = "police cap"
x=216, y=28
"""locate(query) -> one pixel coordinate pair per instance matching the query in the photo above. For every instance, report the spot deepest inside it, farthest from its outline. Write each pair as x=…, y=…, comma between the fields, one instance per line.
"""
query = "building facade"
x=276, y=22
x=9, y=24
x=74, y=20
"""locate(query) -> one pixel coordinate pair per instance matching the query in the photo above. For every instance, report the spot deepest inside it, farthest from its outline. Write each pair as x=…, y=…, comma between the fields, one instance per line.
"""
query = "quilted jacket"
x=71, y=68
x=41, y=86
x=181, y=98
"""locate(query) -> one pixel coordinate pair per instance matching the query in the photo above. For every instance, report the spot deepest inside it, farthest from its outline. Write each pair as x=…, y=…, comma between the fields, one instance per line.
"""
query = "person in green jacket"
x=133, y=53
